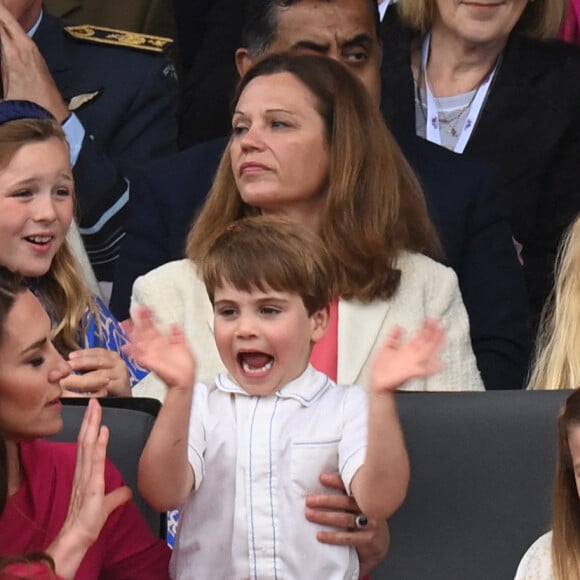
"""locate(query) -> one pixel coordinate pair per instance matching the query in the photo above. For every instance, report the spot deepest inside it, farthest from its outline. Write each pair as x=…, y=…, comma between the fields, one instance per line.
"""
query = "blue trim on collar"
x=306, y=388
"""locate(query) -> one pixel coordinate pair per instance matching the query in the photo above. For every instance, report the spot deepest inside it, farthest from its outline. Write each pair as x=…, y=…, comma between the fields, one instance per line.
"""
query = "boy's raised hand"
x=167, y=355
x=398, y=361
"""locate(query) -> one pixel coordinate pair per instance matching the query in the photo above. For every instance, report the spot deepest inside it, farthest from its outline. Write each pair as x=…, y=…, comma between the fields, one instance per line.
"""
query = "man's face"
x=343, y=30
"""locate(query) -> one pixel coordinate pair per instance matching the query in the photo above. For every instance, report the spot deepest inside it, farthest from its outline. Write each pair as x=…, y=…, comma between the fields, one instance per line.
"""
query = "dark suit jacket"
x=529, y=128
x=461, y=195
x=208, y=85
x=131, y=120
x=190, y=21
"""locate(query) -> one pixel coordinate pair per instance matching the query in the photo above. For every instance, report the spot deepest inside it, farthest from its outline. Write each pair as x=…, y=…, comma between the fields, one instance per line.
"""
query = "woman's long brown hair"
x=374, y=207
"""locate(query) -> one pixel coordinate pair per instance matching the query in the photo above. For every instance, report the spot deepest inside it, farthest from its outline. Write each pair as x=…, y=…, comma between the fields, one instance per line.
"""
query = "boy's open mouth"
x=255, y=362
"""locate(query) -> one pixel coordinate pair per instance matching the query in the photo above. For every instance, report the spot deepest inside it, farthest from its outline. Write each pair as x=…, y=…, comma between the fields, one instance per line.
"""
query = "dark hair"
x=11, y=285
x=265, y=251
x=261, y=23
x=374, y=208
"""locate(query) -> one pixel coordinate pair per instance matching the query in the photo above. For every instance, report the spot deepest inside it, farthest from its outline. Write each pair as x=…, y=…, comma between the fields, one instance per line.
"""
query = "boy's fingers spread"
x=144, y=315
x=176, y=333
x=394, y=337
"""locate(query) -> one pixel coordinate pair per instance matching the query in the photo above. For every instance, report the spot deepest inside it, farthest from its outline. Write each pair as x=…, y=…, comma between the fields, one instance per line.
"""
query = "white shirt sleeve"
x=536, y=563
x=353, y=446
x=196, y=439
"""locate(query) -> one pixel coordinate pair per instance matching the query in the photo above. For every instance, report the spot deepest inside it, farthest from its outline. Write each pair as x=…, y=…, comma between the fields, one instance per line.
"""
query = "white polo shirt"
x=255, y=459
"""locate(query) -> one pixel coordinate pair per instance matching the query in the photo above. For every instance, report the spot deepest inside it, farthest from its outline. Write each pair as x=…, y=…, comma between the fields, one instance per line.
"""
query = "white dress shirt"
x=255, y=459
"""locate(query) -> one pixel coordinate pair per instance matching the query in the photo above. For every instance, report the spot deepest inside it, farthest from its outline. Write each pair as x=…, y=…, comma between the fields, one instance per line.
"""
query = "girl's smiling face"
x=36, y=206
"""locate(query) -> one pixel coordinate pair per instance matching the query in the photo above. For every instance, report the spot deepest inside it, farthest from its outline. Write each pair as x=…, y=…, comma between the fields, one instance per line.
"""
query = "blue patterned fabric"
x=98, y=330
x=172, y=521
x=102, y=330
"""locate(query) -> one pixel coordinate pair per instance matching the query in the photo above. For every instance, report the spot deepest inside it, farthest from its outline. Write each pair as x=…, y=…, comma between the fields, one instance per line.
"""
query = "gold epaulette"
x=114, y=37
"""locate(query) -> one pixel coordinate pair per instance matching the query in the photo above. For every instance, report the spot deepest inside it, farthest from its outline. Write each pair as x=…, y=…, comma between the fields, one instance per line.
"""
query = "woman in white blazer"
x=308, y=143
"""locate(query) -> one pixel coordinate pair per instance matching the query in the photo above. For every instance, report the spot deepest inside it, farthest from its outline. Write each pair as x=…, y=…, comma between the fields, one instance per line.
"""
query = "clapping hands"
x=166, y=354
x=399, y=360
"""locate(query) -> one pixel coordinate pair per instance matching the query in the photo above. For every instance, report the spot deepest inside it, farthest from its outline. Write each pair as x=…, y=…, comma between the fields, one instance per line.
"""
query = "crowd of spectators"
x=433, y=147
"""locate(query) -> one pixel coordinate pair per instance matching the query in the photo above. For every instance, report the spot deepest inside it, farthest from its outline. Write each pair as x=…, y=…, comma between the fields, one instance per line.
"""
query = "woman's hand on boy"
x=101, y=373
x=398, y=361
x=340, y=511
x=166, y=354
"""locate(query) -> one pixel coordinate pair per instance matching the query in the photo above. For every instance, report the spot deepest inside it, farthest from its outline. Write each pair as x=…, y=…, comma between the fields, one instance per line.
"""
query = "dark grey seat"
x=129, y=421
x=481, y=475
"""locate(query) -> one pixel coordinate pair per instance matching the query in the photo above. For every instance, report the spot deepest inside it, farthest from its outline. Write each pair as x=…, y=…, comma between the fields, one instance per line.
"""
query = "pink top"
x=126, y=548
x=324, y=357
x=570, y=31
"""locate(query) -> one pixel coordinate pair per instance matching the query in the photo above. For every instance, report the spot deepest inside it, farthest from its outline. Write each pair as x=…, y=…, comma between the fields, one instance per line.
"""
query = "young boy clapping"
x=240, y=453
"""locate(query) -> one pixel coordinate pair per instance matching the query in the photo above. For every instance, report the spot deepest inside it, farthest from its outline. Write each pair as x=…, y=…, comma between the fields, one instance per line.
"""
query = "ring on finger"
x=361, y=521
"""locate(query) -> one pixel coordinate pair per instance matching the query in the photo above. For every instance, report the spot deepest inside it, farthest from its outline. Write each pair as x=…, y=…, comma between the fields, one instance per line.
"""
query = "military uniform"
x=148, y=16
x=124, y=92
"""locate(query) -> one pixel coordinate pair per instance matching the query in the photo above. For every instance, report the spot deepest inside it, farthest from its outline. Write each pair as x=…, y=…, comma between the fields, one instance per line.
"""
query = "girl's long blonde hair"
x=557, y=359
x=61, y=289
x=566, y=504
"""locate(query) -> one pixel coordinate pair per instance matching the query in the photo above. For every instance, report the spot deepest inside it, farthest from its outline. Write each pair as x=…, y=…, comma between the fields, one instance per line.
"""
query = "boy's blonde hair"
x=557, y=360
x=266, y=252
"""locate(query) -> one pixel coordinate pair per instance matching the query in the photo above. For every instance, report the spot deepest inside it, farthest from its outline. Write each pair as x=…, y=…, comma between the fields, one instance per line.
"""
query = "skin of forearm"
x=67, y=551
x=380, y=485
x=165, y=476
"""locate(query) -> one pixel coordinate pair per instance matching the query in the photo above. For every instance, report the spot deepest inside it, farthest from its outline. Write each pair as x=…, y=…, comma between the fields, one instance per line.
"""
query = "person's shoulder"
x=172, y=270
x=536, y=563
x=117, y=41
x=540, y=57
x=115, y=56
x=422, y=278
x=549, y=49
x=415, y=264
x=349, y=392
x=173, y=274
x=169, y=287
